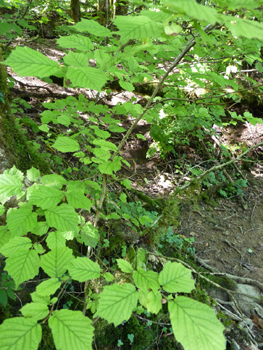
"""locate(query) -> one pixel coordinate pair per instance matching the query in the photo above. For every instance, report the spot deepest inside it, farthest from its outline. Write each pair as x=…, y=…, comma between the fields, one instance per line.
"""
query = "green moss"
x=47, y=342
x=18, y=151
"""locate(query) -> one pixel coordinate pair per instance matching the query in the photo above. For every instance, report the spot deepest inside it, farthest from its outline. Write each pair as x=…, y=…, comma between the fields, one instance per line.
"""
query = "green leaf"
x=244, y=27
x=3, y=297
x=77, y=60
x=36, y=298
x=27, y=63
x=70, y=329
x=41, y=228
x=45, y=197
x=78, y=42
x=23, y=266
x=87, y=77
x=20, y=333
x=48, y=287
x=108, y=277
x=4, y=235
x=92, y=27
x=117, y=302
x=65, y=144
x=77, y=200
x=89, y=235
x=55, y=240
x=126, y=85
x=109, y=167
x=16, y=244
x=33, y=174
x=21, y=221
x=38, y=311
x=53, y=180
x=10, y=185
x=195, y=325
x=139, y=27
x=63, y=218
x=82, y=269
x=140, y=258
x=146, y=279
x=193, y=10
x=56, y=262
x=151, y=300
x=175, y=278
x=124, y=265
x=2, y=209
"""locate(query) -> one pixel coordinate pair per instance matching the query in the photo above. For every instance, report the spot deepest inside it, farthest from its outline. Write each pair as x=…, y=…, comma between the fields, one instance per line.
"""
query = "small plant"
x=179, y=242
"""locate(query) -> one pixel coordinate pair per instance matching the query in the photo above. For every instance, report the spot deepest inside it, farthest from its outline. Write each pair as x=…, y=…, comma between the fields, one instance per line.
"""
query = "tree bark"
x=75, y=10
x=121, y=7
x=14, y=148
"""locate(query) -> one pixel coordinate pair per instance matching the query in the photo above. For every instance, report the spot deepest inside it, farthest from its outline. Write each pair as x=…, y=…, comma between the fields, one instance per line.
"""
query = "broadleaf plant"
x=55, y=212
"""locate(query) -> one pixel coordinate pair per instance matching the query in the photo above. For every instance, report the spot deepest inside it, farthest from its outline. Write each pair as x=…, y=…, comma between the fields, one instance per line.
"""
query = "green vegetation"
x=83, y=244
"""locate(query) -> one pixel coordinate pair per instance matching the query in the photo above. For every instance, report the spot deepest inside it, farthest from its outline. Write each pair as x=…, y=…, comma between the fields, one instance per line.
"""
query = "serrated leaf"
x=37, y=311
x=4, y=235
x=27, y=63
x=175, y=278
x=36, y=298
x=10, y=185
x=56, y=262
x=193, y=10
x=126, y=85
x=22, y=266
x=63, y=218
x=152, y=301
x=89, y=235
x=124, y=265
x=41, y=228
x=53, y=180
x=20, y=333
x=92, y=27
x=146, y=279
x=195, y=325
x=45, y=197
x=82, y=269
x=101, y=133
x=64, y=119
x=77, y=200
x=109, y=167
x=108, y=277
x=78, y=42
x=76, y=186
x=244, y=27
x=21, y=221
x=48, y=287
x=16, y=244
x=77, y=60
x=38, y=248
x=3, y=297
x=33, y=174
x=138, y=27
x=71, y=329
x=55, y=240
x=65, y=144
x=117, y=302
x=87, y=77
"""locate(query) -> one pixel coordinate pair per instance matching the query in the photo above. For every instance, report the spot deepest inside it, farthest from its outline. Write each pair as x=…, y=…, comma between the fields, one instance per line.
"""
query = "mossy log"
x=15, y=149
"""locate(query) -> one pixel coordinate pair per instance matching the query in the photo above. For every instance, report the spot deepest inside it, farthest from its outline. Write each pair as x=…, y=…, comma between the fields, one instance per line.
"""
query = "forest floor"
x=227, y=232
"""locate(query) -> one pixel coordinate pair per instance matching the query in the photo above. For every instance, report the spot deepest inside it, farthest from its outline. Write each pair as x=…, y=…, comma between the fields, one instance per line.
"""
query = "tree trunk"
x=105, y=12
x=121, y=7
x=14, y=148
x=75, y=10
